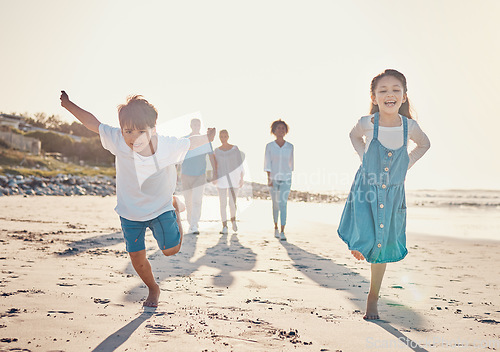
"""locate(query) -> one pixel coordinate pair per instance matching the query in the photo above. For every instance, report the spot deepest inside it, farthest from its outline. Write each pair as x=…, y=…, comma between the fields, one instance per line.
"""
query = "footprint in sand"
x=159, y=329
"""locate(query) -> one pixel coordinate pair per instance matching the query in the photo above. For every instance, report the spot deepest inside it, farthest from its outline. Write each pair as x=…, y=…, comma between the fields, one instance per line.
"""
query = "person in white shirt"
x=278, y=163
x=145, y=179
x=193, y=178
x=228, y=176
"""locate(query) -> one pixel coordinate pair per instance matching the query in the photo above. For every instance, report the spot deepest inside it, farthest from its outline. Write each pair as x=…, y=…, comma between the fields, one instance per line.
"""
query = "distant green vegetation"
x=54, y=123
x=89, y=150
x=18, y=163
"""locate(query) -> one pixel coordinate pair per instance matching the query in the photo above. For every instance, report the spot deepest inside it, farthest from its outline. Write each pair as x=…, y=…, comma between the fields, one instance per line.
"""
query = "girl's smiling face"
x=138, y=139
x=389, y=95
x=280, y=130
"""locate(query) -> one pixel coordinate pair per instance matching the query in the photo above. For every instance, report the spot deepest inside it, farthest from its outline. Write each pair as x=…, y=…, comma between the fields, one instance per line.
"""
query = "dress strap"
x=375, y=125
x=405, y=130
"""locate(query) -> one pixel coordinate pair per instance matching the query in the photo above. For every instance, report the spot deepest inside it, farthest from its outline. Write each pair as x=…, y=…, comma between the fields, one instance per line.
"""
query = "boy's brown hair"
x=137, y=113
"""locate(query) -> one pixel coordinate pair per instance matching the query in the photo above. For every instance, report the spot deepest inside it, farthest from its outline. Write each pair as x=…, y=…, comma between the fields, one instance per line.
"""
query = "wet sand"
x=67, y=285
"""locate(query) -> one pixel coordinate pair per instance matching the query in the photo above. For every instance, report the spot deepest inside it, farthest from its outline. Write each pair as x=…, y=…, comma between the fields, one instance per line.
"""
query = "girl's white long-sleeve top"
x=279, y=161
x=390, y=137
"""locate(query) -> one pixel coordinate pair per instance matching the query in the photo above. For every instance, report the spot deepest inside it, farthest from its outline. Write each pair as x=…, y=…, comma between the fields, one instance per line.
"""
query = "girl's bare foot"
x=153, y=297
x=371, y=308
x=357, y=255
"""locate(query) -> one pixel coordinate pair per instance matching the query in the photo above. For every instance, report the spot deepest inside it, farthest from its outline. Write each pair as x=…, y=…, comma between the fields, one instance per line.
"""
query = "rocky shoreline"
x=70, y=185
x=60, y=185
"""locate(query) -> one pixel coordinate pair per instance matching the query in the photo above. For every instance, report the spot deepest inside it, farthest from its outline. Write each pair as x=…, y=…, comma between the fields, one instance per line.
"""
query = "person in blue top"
x=193, y=178
x=373, y=223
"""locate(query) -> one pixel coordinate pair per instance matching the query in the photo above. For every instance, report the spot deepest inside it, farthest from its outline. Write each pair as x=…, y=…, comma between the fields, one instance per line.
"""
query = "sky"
x=244, y=64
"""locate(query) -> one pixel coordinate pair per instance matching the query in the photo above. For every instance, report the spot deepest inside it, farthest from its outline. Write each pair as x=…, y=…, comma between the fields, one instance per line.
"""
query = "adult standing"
x=193, y=178
x=228, y=173
x=278, y=163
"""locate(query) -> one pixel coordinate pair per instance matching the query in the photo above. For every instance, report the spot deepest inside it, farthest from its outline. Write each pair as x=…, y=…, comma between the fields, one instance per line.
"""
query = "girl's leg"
x=143, y=269
x=223, y=205
x=233, y=194
x=275, y=190
x=284, y=194
x=378, y=271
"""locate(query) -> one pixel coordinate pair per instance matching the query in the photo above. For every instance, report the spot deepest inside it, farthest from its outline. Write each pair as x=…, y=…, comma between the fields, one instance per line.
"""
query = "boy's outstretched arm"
x=85, y=117
x=198, y=141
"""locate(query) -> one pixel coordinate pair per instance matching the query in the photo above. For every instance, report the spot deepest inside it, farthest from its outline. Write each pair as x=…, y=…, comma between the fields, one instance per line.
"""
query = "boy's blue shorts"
x=164, y=228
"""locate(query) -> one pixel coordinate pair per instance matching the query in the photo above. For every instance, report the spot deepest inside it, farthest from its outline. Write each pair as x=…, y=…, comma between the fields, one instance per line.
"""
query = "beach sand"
x=67, y=285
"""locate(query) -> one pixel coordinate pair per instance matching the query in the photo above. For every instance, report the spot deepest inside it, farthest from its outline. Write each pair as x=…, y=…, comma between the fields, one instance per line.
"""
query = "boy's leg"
x=178, y=209
x=167, y=232
x=143, y=268
x=133, y=232
x=377, y=275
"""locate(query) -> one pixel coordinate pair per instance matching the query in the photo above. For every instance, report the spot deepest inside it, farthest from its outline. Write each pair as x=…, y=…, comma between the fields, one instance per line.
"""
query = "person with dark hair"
x=278, y=163
x=145, y=179
x=373, y=222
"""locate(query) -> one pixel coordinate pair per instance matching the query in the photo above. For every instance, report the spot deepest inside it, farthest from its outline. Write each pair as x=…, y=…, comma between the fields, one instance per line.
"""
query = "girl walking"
x=373, y=222
x=278, y=163
x=228, y=173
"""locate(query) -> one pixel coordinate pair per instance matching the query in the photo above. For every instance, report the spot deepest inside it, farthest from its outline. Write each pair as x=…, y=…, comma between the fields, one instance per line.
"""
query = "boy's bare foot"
x=371, y=308
x=357, y=255
x=153, y=297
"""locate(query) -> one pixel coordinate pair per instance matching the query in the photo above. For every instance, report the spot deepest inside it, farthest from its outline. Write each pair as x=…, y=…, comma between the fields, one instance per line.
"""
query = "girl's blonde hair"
x=405, y=108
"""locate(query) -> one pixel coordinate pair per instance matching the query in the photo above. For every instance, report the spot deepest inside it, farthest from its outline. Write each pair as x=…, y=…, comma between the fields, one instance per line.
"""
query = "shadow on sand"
x=228, y=256
x=329, y=274
x=116, y=339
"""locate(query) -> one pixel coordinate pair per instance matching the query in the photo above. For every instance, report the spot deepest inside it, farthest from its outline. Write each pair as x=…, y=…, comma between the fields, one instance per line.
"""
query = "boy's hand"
x=211, y=134
x=64, y=98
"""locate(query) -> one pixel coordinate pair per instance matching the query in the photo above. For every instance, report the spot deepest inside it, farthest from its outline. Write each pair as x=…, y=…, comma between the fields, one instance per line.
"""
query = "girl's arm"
x=356, y=136
x=240, y=166
x=85, y=117
x=421, y=140
x=267, y=165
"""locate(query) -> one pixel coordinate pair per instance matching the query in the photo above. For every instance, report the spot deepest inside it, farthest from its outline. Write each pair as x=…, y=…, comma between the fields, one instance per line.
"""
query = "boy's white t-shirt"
x=144, y=184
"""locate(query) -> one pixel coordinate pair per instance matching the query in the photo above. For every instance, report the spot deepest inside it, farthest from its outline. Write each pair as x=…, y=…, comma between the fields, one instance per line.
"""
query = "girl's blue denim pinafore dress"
x=374, y=218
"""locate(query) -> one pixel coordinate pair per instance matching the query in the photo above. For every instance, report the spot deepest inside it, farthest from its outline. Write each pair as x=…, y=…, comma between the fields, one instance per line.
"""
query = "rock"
x=29, y=192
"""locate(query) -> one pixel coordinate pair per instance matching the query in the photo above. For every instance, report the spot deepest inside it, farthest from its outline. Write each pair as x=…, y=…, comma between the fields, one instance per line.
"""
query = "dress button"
x=381, y=226
x=384, y=186
x=379, y=245
x=386, y=169
x=389, y=154
x=381, y=206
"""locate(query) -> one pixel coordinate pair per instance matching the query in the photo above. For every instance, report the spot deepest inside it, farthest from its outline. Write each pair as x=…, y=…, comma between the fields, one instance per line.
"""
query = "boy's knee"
x=171, y=251
x=137, y=256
